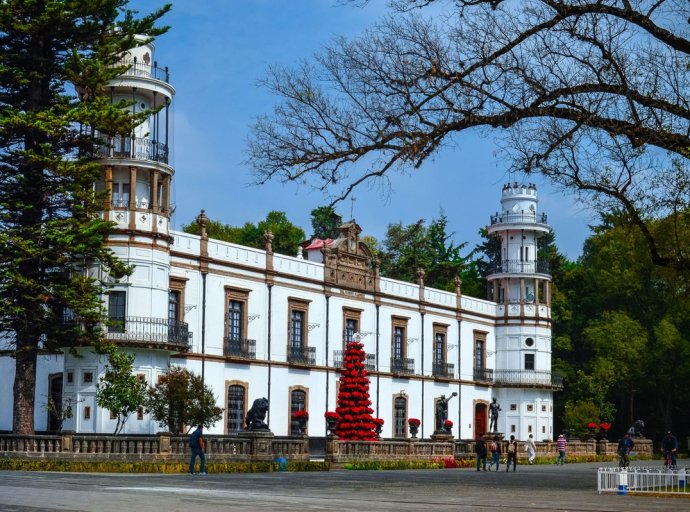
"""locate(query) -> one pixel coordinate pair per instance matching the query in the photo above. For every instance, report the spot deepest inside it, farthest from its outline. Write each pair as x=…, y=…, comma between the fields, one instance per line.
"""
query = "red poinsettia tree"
x=354, y=406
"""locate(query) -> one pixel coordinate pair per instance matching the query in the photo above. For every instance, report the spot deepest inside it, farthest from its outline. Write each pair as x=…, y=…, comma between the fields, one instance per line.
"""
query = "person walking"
x=531, y=449
x=196, y=443
x=512, y=453
x=561, y=444
x=669, y=445
x=480, y=449
x=625, y=446
x=495, y=449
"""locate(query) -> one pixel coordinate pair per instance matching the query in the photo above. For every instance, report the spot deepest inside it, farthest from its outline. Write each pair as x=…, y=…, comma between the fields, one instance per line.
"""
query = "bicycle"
x=623, y=459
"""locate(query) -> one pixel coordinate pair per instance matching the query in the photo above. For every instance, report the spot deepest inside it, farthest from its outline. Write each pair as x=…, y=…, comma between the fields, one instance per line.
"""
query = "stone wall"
x=411, y=449
x=575, y=448
x=249, y=447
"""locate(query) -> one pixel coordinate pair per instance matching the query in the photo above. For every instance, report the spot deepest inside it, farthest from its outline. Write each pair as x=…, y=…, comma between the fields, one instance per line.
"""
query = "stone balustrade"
x=575, y=448
x=249, y=446
x=411, y=449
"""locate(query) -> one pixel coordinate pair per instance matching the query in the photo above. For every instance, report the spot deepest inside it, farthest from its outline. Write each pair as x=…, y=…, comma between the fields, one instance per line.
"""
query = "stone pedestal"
x=442, y=436
x=262, y=449
x=164, y=439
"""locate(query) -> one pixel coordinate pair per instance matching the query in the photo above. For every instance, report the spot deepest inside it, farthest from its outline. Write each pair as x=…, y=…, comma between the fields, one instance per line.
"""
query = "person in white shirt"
x=531, y=449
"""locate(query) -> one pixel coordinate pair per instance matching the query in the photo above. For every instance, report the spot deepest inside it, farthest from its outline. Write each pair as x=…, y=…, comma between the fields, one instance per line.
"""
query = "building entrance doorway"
x=479, y=420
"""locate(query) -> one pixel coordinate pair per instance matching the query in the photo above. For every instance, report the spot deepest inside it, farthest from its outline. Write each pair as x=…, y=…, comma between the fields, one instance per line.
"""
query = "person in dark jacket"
x=196, y=443
x=669, y=445
x=512, y=453
x=480, y=448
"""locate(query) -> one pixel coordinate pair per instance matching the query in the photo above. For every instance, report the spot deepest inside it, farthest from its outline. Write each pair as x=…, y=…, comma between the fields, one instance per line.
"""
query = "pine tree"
x=354, y=406
x=56, y=59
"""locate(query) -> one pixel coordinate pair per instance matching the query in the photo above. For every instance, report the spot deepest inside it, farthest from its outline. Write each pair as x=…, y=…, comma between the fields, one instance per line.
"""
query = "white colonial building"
x=258, y=324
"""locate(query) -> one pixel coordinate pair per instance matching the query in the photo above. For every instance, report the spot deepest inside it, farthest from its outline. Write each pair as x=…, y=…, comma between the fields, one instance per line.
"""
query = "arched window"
x=298, y=402
x=236, y=408
x=400, y=416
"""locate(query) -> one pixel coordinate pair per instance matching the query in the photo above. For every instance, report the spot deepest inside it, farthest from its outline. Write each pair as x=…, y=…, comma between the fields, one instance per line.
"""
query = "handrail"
x=520, y=267
x=157, y=330
x=240, y=347
x=521, y=217
x=402, y=365
x=339, y=357
x=132, y=147
x=301, y=355
x=446, y=370
x=141, y=69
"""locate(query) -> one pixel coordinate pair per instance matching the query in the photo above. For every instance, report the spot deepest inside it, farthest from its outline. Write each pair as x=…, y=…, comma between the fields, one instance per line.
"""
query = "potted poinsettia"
x=592, y=427
x=604, y=427
x=301, y=417
x=332, y=418
x=414, y=424
x=448, y=425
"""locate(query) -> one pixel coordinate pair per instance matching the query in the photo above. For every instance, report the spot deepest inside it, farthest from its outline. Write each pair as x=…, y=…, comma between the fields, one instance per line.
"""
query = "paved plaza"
x=569, y=488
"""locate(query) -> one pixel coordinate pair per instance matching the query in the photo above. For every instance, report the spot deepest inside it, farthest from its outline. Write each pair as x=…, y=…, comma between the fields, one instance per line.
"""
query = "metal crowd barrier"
x=639, y=479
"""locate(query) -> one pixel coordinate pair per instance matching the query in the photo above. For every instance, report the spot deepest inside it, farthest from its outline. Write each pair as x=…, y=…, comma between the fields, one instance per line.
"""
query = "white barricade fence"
x=638, y=479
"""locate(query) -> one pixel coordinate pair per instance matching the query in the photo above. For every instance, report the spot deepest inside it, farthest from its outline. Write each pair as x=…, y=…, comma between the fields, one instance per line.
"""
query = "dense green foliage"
x=181, y=399
x=50, y=233
x=430, y=248
x=119, y=390
x=286, y=235
x=622, y=333
x=325, y=222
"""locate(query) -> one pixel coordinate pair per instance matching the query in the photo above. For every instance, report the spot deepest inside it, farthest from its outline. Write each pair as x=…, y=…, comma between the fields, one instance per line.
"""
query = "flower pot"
x=413, y=430
x=330, y=425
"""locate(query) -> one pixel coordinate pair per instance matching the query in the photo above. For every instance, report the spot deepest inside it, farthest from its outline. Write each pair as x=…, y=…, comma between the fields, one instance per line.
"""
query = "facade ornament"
x=202, y=221
x=268, y=237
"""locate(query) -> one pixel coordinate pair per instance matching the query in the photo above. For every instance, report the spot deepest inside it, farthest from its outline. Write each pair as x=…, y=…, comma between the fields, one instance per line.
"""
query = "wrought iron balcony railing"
x=141, y=69
x=240, y=347
x=132, y=147
x=369, y=363
x=145, y=329
x=528, y=378
x=483, y=375
x=518, y=218
x=402, y=365
x=445, y=370
x=518, y=267
x=301, y=355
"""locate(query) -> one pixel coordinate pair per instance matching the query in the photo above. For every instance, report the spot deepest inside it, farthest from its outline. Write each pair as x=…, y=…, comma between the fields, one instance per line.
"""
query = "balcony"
x=240, y=348
x=520, y=267
x=519, y=218
x=443, y=370
x=301, y=355
x=402, y=365
x=369, y=363
x=132, y=147
x=484, y=375
x=143, y=70
x=150, y=331
x=528, y=378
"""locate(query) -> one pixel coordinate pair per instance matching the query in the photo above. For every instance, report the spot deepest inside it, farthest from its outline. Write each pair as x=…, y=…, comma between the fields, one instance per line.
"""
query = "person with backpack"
x=495, y=449
x=512, y=453
x=480, y=448
x=196, y=443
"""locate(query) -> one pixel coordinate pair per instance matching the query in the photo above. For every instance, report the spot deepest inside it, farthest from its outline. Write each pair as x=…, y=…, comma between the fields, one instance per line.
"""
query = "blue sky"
x=218, y=49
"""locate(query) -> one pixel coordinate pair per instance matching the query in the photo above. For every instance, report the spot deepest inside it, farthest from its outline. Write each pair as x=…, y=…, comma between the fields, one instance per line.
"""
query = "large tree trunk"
x=24, y=390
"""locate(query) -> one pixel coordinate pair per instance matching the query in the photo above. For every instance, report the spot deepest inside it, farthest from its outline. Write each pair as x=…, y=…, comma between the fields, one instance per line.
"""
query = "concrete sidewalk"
x=569, y=488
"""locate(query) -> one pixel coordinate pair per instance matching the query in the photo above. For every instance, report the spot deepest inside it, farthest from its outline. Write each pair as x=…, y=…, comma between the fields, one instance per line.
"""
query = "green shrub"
x=393, y=464
x=153, y=467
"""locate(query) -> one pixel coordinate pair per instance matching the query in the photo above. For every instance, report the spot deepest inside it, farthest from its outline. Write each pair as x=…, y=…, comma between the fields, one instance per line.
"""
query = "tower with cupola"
x=144, y=309
x=519, y=282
